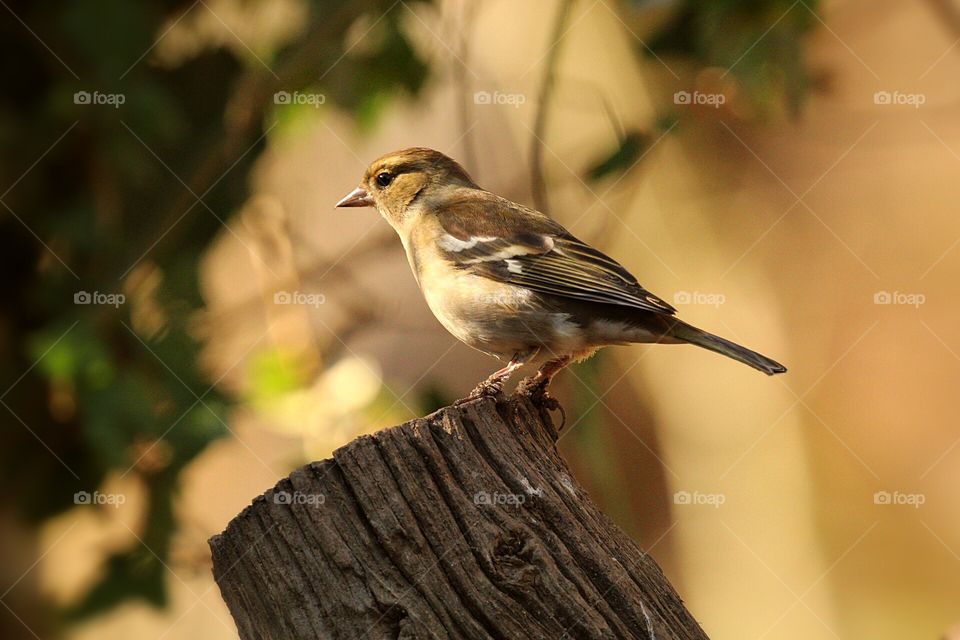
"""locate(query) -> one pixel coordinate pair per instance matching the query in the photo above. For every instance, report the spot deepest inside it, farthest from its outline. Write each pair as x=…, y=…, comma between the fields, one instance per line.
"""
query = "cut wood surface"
x=463, y=524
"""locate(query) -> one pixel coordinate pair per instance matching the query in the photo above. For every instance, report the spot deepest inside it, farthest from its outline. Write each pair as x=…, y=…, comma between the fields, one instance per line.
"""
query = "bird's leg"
x=493, y=385
x=536, y=385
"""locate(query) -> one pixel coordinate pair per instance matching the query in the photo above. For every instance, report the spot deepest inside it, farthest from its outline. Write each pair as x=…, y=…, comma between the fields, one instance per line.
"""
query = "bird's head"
x=392, y=183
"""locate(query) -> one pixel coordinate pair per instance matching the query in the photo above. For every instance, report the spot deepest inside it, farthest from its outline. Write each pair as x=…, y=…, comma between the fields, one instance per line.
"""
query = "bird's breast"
x=495, y=317
x=473, y=308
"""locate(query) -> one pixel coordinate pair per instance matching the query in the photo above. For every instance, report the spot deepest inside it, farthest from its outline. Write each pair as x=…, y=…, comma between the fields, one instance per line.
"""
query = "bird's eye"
x=384, y=179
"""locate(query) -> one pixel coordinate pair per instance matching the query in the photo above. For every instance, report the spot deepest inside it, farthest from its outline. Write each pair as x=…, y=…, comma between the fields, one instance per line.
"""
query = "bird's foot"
x=492, y=387
x=536, y=388
x=486, y=389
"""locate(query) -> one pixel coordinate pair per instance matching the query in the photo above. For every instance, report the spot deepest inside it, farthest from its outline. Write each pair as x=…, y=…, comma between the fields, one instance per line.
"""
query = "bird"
x=512, y=282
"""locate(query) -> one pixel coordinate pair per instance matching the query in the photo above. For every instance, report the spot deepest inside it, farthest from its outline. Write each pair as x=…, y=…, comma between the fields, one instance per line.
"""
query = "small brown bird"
x=510, y=281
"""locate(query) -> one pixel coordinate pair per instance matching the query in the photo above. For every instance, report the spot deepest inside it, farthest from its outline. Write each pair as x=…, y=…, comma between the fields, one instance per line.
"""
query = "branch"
x=538, y=185
x=246, y=107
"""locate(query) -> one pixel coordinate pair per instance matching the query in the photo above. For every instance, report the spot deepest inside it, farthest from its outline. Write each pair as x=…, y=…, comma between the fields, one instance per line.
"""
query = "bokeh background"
x=186, y=318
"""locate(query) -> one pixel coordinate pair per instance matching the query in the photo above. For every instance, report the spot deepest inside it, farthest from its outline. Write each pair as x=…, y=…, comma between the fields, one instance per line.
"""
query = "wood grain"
x=462, y=524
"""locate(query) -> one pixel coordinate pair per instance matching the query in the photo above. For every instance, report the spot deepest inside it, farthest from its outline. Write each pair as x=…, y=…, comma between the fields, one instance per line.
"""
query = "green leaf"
x=273, y=373
x=621, y=159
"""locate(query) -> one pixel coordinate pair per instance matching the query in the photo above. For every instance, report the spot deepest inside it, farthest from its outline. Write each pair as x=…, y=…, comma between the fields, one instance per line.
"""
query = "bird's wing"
x=500, y=240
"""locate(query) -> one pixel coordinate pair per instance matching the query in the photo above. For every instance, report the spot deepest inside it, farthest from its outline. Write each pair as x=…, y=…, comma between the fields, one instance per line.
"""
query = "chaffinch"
x=512, y=282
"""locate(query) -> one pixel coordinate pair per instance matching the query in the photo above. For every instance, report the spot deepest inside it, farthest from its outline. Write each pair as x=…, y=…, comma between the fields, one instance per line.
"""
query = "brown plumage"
x=512, y=282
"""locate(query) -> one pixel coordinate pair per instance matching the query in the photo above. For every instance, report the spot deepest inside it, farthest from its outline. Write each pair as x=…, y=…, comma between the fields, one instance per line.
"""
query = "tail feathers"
x=701, y=338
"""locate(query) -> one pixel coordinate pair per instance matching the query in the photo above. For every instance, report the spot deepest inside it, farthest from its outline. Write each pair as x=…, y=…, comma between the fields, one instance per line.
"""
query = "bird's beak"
x=356, y=198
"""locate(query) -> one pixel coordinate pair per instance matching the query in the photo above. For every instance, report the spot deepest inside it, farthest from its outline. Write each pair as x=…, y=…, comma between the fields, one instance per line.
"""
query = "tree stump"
x=462, y=524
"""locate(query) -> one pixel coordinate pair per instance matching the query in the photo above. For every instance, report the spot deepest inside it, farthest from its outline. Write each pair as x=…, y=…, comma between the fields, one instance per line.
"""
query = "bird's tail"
x=688, y=333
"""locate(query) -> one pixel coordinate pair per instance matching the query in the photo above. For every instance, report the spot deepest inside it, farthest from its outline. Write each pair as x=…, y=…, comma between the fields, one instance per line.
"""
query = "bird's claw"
x=535, y=389
x=532, y=387
x=486, y=389
x=542, y=398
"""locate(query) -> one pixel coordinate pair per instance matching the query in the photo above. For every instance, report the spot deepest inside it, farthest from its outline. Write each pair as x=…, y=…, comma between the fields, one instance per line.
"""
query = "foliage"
x=106, y=199
x=759, y=41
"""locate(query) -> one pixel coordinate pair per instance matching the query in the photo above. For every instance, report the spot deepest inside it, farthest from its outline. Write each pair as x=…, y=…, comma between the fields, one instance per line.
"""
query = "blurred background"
x=186, y=318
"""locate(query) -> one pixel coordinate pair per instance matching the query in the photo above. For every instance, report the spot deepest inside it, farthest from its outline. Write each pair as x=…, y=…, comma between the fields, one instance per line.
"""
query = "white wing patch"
x=456, y=245
x=473, y=251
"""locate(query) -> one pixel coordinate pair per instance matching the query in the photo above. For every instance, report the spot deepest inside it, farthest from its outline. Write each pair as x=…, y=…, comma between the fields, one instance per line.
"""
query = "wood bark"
x=462, y=524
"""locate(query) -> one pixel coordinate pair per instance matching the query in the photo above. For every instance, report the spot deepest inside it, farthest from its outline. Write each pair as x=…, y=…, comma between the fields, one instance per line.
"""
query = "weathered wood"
x=462, y=524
